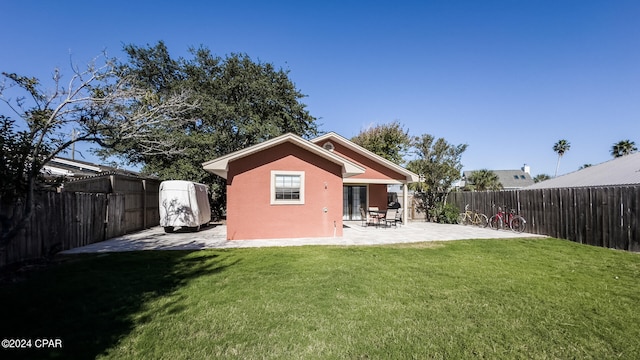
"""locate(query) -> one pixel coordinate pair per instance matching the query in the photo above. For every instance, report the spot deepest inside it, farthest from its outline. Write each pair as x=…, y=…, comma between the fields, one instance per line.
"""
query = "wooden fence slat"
x=625, y=200
x=634, y=222
x=591, y=219
x=616, y=237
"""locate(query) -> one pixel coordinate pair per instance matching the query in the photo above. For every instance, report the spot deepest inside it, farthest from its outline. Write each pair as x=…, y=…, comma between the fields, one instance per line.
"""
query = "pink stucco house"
x=291, y=187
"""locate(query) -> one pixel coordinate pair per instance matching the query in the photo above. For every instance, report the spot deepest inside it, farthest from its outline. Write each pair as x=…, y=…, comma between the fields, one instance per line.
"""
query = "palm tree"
x=541, y=177
x=561, y=147
x=623, y=147
x=485, y=180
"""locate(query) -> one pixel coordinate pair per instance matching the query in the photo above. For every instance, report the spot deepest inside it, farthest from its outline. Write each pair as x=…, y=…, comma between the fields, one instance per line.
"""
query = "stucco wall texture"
x=250, y=214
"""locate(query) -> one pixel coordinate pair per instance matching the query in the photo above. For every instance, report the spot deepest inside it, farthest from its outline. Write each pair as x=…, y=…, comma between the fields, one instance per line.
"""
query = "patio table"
x=378, y=215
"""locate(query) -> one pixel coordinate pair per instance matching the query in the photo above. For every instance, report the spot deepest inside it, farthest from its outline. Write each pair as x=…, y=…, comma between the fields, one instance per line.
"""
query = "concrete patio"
x=214, y=237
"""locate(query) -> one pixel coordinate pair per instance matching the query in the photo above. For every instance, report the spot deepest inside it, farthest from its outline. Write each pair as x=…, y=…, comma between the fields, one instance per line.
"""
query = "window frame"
x=273, y=200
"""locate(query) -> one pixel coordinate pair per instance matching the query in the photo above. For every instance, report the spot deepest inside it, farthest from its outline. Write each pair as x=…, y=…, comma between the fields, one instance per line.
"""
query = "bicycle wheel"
x=495, y=222
x=483, y=221
x=518, y=224
x=462, y=219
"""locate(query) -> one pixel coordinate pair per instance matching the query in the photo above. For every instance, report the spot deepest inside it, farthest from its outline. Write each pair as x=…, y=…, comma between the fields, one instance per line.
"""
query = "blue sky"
x=508, y=78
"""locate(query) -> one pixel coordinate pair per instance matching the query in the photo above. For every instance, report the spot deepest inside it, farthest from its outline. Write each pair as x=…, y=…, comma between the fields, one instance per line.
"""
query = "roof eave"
x=410, y=176
x=220, y=166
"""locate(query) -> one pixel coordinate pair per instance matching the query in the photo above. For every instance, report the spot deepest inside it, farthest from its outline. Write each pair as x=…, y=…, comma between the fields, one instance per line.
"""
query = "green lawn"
x=495, y=299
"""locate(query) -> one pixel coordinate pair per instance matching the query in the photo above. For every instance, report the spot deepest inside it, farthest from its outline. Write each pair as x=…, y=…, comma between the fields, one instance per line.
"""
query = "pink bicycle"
x=515, y=221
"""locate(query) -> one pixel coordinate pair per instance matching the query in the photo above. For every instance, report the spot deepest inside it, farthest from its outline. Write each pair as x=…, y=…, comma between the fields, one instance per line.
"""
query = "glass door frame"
x=351, y=205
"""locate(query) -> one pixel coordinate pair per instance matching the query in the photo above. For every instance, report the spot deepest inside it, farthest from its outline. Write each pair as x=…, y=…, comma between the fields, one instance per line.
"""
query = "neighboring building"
x=82, y=176
x=624, y=170
x=510, y=179
x=291, y=187
x=73, y=169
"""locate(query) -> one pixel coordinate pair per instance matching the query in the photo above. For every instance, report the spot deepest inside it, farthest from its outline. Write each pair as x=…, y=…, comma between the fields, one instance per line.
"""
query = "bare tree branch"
x=99, y=105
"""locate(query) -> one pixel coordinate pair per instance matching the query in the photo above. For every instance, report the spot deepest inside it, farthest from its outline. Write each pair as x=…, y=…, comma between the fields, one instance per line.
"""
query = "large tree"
x=622, y=148
x=561, y=147
x=484, y=179
x=391, y=141
x=96, y=104
x=438, y=165
x=241, y=103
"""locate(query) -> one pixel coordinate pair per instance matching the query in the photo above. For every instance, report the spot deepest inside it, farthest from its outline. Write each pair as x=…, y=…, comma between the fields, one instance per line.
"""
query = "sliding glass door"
x=353, y=198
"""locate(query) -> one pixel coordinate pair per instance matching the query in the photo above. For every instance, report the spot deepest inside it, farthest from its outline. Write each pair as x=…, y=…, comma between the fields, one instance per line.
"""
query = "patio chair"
x=364, y=216
x=399, y=217
x=390, y=217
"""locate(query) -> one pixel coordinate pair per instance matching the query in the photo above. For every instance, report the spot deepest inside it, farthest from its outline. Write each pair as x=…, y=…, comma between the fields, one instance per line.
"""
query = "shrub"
x=444, y=213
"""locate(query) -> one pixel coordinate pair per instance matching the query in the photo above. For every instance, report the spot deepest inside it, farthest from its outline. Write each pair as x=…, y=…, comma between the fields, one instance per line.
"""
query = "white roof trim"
x=411, y=177
x=374, y=181
x=76, y=164
x=57, y=171
x=220, y=166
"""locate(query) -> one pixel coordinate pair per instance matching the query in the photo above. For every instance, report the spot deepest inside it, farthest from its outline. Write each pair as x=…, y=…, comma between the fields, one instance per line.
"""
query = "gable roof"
x=510, y=179
x=624, y=170
x=410, y=176
x=220, y=166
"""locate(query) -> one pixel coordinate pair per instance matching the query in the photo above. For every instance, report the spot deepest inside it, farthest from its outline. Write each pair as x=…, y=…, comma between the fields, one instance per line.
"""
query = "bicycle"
x=472, y=217
x=515, y=221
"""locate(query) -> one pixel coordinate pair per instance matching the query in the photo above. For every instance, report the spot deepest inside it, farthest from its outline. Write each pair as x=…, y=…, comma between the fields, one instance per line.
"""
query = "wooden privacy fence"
x=133, y=200
x=110, y=206
x=600, y=216
x=60, y=221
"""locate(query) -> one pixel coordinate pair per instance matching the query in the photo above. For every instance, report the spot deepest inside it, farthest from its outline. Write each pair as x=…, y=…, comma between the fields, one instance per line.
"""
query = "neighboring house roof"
x=71, y=168
x=510, y=179
x=624, y=170
x=332, y=136
x=220, y=166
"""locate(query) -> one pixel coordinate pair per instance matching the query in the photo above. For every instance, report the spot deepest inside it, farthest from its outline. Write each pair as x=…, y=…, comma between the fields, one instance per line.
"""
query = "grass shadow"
x=90, y=302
